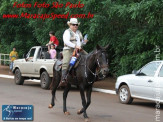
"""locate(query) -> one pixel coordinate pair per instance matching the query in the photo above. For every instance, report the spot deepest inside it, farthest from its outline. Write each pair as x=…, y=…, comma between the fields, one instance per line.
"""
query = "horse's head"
x=102, y=60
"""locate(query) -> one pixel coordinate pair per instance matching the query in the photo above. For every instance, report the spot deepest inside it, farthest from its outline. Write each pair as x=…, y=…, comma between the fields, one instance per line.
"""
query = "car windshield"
x=161, y=72
x=150, y=69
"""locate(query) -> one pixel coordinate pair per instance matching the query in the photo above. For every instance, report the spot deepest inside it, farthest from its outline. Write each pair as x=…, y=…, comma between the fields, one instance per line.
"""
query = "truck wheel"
x=19, y=80
x=124, y=95
x=45, y=80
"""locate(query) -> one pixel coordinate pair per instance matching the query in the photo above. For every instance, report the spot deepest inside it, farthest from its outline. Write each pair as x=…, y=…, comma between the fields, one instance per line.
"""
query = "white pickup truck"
x=35, y=65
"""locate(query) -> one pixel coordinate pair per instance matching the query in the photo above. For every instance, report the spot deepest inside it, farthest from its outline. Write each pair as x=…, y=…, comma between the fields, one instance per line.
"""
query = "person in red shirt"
x=53, y=39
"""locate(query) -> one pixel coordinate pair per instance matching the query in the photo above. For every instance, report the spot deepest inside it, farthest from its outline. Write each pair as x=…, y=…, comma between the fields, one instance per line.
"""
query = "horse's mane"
x=88, y=55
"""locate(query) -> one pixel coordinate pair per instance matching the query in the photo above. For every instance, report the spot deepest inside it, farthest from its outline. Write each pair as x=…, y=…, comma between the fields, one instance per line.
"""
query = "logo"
x=17, y=112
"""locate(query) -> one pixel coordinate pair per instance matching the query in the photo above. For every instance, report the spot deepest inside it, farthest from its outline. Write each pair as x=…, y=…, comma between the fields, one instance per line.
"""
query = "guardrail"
x=4, y=59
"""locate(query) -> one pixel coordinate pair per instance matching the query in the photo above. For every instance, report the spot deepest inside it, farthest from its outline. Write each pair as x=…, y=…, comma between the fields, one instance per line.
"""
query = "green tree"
x=133, y=28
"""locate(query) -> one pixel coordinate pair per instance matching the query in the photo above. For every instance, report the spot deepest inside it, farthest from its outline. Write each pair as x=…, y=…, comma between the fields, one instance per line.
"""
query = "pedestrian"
x=13, y=56
x=52, y=51
x=72, y=38
x=53, y=40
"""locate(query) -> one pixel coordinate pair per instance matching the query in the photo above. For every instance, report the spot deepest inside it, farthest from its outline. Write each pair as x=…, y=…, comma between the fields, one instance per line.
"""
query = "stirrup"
x=61, y=84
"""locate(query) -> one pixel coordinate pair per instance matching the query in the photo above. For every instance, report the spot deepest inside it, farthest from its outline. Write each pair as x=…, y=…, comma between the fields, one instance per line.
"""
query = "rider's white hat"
x=73, y=21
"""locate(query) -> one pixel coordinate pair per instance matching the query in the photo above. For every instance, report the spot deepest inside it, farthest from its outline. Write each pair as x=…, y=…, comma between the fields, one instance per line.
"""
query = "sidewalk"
x=108, y=83
x=4, y=70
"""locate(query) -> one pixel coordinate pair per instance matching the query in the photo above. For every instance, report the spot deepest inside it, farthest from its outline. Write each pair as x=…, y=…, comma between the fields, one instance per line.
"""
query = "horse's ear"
x=98, y=47
x=107, y=46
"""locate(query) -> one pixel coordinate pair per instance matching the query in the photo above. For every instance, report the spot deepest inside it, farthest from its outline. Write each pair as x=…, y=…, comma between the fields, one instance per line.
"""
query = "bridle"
x=103, y=66
x=98, y=72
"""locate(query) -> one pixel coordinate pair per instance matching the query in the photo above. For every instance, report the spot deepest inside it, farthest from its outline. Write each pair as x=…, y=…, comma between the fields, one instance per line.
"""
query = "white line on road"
x=104, y=90
x=12, y=77
x=94, y=89
x=7, y=76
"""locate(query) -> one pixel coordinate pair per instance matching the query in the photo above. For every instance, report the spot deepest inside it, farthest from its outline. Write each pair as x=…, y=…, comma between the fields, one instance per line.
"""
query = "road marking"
x=104, y=90
x=7, y=76
x=38, y=81
x=12, y=77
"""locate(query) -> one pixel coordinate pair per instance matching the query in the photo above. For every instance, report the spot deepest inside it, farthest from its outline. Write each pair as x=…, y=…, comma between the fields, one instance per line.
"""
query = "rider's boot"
x=63, y=81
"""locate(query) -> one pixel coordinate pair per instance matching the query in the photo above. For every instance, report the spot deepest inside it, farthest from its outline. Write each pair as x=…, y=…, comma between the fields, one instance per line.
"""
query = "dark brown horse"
x=85, y=76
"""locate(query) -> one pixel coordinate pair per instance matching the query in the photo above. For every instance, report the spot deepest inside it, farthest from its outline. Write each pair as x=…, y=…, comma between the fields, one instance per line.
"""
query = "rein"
x=89, y=70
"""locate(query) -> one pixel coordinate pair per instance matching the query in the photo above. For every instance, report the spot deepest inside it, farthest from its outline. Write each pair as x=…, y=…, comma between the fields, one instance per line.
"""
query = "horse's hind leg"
x=65, y=93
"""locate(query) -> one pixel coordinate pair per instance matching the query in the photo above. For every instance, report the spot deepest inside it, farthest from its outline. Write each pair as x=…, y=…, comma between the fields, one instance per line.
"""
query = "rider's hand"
x=78, y=47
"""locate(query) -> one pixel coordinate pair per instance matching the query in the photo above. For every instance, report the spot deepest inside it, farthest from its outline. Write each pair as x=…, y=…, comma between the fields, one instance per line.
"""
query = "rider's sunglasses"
x=74, y=24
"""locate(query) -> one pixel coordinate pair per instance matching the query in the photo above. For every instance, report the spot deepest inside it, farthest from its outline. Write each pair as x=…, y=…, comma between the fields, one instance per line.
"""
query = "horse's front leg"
x=65, y=93
x=83, y=102
x=88, y=93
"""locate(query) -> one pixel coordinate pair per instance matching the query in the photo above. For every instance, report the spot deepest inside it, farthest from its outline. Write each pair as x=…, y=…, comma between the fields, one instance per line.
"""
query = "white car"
x=146, y=83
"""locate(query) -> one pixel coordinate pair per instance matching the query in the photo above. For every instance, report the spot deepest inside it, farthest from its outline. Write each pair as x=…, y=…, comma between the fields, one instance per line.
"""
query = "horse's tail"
x=51, y=84
x=56, y=79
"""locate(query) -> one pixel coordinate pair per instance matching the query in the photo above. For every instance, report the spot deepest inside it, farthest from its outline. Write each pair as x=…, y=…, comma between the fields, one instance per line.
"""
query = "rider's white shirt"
x=66, y=39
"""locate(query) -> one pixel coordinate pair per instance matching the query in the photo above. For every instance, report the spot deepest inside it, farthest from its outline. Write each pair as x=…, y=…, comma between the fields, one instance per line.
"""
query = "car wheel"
x=45, y=80
x=124, y=95
x=19, y=80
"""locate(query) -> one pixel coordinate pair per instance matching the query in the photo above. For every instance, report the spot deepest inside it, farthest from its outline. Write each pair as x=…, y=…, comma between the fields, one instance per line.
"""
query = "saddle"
x=58, y=64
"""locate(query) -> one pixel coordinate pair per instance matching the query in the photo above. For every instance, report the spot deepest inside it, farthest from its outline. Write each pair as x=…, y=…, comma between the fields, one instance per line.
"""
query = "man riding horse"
x=72, y=38
x=85, y=73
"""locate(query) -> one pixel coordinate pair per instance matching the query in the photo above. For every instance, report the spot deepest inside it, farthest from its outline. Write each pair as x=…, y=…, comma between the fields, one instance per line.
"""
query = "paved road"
x=104, y=107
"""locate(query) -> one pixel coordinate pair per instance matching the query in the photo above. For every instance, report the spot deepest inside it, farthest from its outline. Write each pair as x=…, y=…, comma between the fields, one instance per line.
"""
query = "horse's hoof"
x=50, y=106
x=67, y=113
x=79, y=112
x=87, y=120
